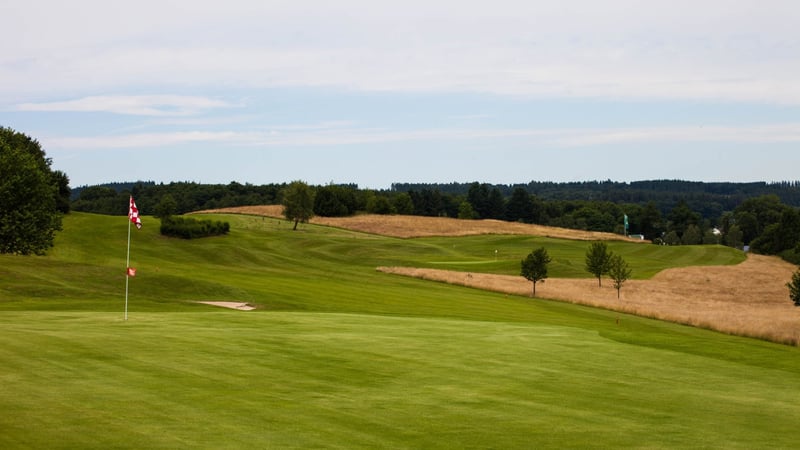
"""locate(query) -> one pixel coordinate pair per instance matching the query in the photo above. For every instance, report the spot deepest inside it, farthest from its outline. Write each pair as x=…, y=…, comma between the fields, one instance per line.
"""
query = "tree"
x=753, y=215
x=733, y=238
x=650, y=221
x=520, y=206
x=681, y=217
x=328, y=203
x=794, y=288
x=748, y=225
x=619, y=271
x=427, y=202
x=478, y=197
x=298, y=202
x=534, y=267
x=61, y=180
x=465, y=211
x=403, y=204
x=597, y=260
x=379, y=204
x=335, y=201
x=692, y=235
x=30, y=195
x=166, y=207
x=672, y=238
x=496, y=205
x=593, y=218
x=780, y=236
x=711, y=238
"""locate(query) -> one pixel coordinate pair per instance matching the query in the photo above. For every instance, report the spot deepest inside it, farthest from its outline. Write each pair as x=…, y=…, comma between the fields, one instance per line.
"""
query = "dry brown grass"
x=749, y=299
x=417, y=226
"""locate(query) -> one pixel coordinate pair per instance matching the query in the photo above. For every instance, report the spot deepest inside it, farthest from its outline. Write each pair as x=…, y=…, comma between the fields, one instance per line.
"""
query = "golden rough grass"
x=417, y=226
x=749, y=299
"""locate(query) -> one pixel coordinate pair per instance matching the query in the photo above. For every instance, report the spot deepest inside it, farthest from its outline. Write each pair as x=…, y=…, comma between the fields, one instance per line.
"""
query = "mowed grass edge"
x=357, y=360
x=301, y=380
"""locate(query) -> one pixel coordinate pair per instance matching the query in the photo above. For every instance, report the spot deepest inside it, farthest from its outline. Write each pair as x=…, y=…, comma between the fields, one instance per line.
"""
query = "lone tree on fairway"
x=598, y=258
x=794, y=288
x=32, y=196
x=298, y=202
x=619, y=271
x=534, y=267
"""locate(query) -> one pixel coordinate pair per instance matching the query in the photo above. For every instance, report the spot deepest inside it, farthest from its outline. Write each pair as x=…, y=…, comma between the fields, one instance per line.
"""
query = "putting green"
x=298, y=380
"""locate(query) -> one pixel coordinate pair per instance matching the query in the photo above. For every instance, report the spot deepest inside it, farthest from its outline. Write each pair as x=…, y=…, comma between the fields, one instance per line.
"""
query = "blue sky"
x=415, y=91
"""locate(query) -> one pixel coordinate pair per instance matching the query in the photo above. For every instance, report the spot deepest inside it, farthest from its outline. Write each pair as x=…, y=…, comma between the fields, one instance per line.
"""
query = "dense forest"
x=188, y=196
x=762, y=216
x=709, y=199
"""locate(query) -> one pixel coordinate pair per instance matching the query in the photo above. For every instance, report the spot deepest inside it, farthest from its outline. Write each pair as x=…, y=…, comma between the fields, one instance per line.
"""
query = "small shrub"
x=794, y=288
x=792, y=255
x=189, y=228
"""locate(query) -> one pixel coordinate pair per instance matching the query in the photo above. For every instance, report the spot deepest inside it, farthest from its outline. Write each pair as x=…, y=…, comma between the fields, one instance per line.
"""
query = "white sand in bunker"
x=748, y=299
x=232, y=305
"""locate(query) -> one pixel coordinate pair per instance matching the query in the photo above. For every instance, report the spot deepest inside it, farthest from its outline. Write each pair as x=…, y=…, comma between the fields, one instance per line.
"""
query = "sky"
x=379, y=92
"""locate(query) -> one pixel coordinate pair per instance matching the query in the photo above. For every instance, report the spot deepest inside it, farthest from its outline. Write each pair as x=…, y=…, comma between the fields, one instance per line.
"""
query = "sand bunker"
x=232, y=305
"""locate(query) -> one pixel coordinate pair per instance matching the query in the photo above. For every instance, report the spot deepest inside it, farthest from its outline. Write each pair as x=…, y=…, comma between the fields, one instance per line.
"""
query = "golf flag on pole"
x=133, y=217
x=133, y=214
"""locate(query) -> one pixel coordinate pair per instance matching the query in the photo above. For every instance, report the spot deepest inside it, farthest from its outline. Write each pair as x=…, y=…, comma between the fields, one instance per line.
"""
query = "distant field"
x=418, y=226
x=338, y=355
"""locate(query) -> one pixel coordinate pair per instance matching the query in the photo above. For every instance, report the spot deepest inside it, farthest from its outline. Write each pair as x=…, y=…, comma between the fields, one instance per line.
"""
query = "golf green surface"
x=338, y=355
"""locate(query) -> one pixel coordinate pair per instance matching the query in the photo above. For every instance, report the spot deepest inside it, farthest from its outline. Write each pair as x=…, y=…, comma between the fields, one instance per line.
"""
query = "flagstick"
x=127, y=274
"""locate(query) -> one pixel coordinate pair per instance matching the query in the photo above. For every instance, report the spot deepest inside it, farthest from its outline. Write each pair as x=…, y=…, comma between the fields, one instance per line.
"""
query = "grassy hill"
x=262, y=262
x=341, y=356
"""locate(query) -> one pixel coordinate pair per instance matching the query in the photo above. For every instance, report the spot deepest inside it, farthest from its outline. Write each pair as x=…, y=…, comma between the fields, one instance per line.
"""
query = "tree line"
x=188, y=196
x=709, y=199
x=765, y=223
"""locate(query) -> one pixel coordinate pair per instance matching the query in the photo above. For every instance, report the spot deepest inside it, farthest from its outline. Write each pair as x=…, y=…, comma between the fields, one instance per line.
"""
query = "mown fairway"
x=340, y=356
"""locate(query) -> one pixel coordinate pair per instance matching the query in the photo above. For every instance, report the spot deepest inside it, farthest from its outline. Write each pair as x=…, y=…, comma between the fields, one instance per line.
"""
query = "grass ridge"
x=340, y=356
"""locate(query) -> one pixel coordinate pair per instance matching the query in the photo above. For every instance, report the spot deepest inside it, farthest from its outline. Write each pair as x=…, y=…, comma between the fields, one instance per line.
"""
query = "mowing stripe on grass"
x=300, y=380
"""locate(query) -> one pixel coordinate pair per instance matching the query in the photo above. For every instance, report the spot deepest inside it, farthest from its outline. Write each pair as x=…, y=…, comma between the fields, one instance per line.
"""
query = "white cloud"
x=764, y=134
x=142, y=140
x=624, y=49
x=335, y=133
x=141, y=105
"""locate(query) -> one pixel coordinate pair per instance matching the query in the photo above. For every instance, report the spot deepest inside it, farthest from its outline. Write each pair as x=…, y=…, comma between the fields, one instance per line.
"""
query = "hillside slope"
x=748, y=299
x=420, y=226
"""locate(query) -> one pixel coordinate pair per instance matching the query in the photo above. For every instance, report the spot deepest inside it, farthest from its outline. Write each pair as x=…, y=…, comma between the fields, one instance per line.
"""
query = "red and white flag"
x=133, y=214
x=131, y=272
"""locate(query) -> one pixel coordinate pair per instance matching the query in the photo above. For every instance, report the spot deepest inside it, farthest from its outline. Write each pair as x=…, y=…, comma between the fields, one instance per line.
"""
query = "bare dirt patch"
x=748, y=299
x=417, y=226
x=232, y=305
